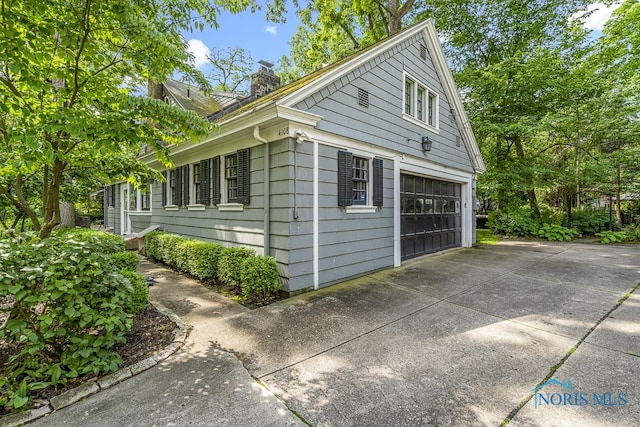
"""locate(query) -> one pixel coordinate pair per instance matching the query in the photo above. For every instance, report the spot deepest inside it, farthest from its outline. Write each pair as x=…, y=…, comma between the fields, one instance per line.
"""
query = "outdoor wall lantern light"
x=426, y=144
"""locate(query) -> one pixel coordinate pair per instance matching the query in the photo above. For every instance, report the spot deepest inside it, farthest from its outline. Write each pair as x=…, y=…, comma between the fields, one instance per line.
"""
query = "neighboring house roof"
x=191, y=98
x=289, y=95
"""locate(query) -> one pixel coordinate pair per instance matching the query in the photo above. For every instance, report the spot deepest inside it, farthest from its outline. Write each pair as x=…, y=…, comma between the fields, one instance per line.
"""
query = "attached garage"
x=430, y=215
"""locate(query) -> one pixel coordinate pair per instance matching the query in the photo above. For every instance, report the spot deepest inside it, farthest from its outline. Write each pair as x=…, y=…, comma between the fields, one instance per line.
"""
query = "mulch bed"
x=151, y=332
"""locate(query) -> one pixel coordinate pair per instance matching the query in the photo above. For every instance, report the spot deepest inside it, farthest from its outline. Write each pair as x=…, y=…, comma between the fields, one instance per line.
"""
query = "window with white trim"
x=139, y=200
x=355, y=186
x=420, y=102
x=197, y=183
x=360, y=179
x=231, y=176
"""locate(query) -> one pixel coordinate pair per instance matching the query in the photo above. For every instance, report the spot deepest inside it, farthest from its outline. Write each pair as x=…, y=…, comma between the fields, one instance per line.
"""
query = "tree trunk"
x=67, y=216
x=618, y=191
x=528, y=179
x=52, y=198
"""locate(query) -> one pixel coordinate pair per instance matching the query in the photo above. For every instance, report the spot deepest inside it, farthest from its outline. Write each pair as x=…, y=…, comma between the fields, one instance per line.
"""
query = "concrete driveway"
x=458, y=338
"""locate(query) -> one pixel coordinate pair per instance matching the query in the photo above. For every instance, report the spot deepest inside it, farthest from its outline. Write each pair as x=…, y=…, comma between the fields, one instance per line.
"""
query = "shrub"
x=632, y=233
x=109, y=243
x=612, y=236
x=259, y=277
x=557, y=232
x=513, y=222
x=168, y=248
x=230, y=264
x=68, y=312
x=151, y=244
x=204, y=259
x=139, y=292
x=589, y=221
x=183, y=255
x=125, y=261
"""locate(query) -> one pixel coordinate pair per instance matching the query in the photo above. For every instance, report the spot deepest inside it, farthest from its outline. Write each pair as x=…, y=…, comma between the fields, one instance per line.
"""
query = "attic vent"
x=423, y=51
x=363, y=98
x=458, y=141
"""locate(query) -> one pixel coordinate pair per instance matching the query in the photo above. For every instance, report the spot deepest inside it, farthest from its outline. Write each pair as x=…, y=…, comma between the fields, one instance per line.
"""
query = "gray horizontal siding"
x=244, y=228
x=351, y=244
x=139, y=222
x=382, y=123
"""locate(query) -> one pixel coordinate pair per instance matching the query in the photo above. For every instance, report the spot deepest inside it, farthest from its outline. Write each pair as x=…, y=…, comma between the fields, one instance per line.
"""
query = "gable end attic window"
x=423, y=51
x=420, y=103
x=363, y=98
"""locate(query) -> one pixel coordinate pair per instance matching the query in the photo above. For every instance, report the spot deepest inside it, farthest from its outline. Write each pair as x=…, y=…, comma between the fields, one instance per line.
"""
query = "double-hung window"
x=197, y=182
x=360, y=180
x=420, y=102
x=231, y=176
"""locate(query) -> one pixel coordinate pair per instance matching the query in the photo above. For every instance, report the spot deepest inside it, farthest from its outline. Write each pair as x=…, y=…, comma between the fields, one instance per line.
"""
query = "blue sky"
x=269, y=41
x=264, y=40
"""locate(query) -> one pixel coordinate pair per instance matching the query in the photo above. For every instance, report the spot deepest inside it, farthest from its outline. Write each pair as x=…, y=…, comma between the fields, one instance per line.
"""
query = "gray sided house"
x=354, y=168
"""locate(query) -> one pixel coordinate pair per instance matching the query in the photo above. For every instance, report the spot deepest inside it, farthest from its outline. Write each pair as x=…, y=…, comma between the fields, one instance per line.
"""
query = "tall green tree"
x=231, y=69
x=66, y=71
x=331, y=29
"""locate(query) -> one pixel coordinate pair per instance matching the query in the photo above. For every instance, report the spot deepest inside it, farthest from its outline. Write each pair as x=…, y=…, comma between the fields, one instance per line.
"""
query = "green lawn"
x=485, y=236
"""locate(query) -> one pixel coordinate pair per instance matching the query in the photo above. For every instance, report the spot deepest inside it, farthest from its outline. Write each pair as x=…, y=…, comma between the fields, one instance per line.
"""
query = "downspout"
x=267, y=190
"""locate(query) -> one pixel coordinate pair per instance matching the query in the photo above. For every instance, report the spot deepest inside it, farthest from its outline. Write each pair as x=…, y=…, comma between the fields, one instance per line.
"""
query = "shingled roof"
x=191, y=98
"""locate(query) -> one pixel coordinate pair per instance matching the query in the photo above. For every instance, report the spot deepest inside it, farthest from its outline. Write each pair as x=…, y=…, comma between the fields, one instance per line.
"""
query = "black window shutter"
x=107, y=195
x=164, y=188
x=215, y=180
x=204, y=183
x=185, y=185
x=243, y=176
x=345, y=178
x=177, y=187
x=378, y=173
x=113, y=195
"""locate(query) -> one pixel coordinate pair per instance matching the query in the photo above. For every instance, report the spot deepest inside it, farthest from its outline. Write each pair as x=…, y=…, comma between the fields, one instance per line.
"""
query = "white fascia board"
x=344, y=69
x=260, y=117
x=434, y=170
x=451, y=89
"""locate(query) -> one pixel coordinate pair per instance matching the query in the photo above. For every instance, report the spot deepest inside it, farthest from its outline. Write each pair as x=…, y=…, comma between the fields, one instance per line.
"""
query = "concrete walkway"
x=459, y=338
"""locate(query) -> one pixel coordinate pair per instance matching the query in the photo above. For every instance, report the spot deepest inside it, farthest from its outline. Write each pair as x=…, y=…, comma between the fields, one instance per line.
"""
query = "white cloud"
x=272, y=30
x=200, y=52
x=601, y=14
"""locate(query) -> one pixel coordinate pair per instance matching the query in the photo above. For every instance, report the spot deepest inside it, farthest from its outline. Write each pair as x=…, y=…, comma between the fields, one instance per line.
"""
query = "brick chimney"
x=264, y=80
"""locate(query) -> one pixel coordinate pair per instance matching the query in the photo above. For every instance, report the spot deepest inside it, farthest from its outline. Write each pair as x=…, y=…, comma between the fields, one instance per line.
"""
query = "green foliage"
x=68, y=311
x=195, y=257
x=259, y=278
x=139, y=293
x=589, y=221
x=204, y=258
x=514, y=222
x=152, y=244
x=612, y=236
x=65, y=111
x=125, y=261
x=110, y=243
x=230, y=264
x=486, y=237
x=256, y=277
x=632, y=233
x=168, y=245
x=557, y=232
